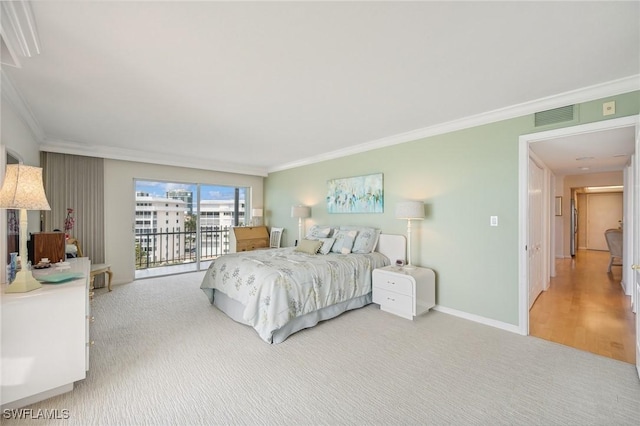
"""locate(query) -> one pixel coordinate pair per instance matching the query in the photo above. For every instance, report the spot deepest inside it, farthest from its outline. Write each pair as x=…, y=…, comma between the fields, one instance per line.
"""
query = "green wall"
x=463, y=177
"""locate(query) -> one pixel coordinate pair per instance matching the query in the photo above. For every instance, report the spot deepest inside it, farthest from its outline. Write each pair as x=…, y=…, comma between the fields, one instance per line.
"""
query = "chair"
x=276, y=236
x=96, y=269
x=614, y=242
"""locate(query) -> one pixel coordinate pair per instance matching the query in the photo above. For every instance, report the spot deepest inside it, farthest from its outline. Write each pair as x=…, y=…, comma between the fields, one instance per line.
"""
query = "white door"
x=604, y=211
x=536, y=220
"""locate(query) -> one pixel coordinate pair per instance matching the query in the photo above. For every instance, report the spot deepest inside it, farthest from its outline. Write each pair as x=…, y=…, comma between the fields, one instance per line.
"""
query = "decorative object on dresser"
x=256, y=217
x=51, y=245
x=22, y=189
x=404, y=292
x=300, y=212
x=247, y=238
x=409, y=210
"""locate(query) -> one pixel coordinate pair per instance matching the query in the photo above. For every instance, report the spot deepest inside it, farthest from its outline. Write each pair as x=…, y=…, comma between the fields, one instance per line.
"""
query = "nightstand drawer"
x=394, y=302
x=392, y=282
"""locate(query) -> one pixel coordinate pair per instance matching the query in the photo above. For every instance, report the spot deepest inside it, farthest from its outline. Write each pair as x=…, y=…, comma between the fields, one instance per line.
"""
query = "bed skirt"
x=235, y=309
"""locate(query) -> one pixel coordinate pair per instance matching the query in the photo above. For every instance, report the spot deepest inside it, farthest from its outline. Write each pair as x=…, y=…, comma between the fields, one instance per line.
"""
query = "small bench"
x=101, y=268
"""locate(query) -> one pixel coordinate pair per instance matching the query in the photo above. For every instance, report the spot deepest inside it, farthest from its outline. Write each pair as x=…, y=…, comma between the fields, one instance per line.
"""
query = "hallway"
x=585, y=308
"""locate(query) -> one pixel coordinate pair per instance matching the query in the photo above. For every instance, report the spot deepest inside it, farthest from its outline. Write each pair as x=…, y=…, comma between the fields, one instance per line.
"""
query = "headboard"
x=392, y=246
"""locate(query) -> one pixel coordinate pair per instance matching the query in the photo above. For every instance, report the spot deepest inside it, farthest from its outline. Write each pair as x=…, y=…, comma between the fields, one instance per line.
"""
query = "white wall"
x=580, y=181
x=21, y=143
x=119, y=200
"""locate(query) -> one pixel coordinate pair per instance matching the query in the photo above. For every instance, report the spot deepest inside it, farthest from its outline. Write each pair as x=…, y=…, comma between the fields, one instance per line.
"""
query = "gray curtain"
x=76, y=182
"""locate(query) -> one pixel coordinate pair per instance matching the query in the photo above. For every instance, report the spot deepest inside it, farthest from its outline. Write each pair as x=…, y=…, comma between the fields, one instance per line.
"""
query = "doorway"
x=559, y=225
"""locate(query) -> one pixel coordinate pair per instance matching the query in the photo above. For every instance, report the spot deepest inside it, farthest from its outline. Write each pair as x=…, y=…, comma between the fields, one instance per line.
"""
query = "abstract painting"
x=360, y=194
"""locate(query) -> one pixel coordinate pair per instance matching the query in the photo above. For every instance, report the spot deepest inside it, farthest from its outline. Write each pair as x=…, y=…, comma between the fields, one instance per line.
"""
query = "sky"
x=208, y=192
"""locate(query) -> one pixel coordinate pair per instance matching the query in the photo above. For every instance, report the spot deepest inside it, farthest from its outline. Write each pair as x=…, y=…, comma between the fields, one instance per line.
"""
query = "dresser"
x=406, y=292
x=45, y=338
x=247, y=238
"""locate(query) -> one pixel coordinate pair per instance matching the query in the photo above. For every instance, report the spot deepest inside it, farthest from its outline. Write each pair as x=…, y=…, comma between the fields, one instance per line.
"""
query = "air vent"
x=553, y=116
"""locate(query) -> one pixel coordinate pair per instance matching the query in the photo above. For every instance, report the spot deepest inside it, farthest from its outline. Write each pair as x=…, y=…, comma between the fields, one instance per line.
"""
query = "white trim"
x=11, y=93
x=523, y=199
x=477, y=318
x=66, y=147
x=603, y=90
x=611, y=88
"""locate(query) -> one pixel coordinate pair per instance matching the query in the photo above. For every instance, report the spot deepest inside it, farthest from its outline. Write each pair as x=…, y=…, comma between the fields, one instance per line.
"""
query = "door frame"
x=523, y=200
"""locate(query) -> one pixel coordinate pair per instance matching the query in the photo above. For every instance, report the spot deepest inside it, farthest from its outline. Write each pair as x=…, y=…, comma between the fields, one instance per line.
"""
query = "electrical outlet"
x=494, y=221
x=609, y=108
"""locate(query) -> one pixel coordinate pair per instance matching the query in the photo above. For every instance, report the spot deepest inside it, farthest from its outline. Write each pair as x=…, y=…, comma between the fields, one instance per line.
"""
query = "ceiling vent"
x=556, y=115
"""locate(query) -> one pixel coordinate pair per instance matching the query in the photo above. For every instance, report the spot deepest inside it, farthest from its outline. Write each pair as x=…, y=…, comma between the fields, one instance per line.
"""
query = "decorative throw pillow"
x=308, y=246
x=366, y=240
x=344, y=241
x=327, y=243
x=317, y=231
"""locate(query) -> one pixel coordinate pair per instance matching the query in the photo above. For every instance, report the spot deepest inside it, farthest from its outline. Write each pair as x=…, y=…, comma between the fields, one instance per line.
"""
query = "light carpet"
x=164, y=355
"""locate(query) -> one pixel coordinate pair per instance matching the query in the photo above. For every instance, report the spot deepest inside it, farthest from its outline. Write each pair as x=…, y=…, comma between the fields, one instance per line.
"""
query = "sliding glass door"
x=181, y=227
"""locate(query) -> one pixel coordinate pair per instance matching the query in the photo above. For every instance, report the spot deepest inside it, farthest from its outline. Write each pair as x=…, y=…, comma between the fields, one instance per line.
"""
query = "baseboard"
x=477, y=318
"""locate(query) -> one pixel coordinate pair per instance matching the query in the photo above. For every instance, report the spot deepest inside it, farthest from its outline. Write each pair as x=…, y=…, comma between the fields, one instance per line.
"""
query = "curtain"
x=76, y=182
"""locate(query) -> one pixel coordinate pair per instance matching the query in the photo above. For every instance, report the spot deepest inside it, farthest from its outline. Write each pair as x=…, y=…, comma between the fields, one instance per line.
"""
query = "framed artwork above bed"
x=359, y=194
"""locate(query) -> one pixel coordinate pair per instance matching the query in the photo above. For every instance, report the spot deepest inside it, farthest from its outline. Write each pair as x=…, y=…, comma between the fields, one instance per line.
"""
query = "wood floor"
x=585, y=308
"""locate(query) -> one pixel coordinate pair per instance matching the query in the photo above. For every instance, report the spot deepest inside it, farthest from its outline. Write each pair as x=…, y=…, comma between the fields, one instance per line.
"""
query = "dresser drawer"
x=393, y=282
x=393, y=302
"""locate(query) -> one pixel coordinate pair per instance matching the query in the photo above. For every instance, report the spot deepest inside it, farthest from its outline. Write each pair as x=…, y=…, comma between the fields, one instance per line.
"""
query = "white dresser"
x=45, y=338
x=404, y=292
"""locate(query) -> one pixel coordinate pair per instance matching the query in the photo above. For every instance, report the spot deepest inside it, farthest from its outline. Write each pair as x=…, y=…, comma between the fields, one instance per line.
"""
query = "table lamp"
x=22, y=189
x=409, y=210
x=301, y=212
x=256, y=215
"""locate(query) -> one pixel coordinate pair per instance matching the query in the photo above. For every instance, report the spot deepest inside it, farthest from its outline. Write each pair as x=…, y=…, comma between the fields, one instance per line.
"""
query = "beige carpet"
x=164, y=355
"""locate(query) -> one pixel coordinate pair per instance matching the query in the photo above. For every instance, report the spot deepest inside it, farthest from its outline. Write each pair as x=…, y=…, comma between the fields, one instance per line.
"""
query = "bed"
x=281, y=291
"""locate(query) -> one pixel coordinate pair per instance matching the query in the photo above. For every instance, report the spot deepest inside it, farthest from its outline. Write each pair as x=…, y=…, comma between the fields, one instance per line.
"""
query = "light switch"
x=494, y=221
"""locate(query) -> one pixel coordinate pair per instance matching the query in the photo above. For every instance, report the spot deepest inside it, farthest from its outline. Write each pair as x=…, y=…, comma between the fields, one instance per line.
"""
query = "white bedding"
x=277, y=286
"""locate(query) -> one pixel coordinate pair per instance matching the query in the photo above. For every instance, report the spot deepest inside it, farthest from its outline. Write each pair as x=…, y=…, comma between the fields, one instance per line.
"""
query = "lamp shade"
x=256, y=212
x=301, y=212
x=410, y=210
x=22, y=188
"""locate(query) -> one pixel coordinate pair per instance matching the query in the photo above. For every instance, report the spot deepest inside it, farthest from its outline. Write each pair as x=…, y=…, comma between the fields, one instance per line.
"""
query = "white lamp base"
x=23, y=283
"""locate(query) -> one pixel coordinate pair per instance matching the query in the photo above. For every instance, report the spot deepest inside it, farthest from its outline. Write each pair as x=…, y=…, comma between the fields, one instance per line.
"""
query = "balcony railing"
x=166, y=248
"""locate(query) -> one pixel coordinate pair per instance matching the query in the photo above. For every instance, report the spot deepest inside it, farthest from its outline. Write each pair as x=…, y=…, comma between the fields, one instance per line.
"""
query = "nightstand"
x=405, y=292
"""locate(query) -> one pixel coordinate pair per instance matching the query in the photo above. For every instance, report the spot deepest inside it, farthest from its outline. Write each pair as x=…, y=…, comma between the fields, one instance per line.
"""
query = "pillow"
x=308, y=246
x=366, y=240
x=327, y=243
x=344, y=241
x=317, y=231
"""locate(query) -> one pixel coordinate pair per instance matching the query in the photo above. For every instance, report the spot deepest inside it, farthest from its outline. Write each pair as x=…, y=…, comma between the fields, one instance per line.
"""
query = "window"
x=202, y=213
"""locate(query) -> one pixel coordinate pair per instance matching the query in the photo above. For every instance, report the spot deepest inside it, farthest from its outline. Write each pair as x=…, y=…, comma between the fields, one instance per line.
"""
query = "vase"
x=13, y=265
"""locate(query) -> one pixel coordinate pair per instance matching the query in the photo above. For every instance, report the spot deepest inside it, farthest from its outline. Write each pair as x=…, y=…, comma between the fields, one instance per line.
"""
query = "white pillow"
x=327, y=243
x=366, y=240
x=317, y=231
x=344, y=241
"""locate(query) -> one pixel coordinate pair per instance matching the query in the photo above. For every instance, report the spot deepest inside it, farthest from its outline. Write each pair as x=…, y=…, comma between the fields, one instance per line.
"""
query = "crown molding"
x=12, y=95
x=125, y=154
x=603, y=90
x=19, y=30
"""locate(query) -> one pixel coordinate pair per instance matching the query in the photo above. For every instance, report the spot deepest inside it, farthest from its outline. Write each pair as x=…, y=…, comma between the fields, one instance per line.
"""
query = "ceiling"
x=596, y=152
x=255, y=87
